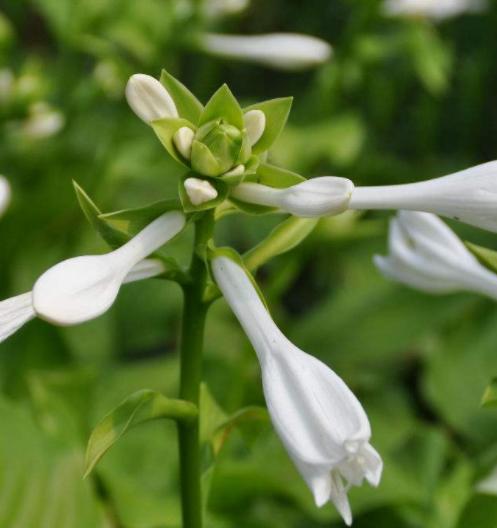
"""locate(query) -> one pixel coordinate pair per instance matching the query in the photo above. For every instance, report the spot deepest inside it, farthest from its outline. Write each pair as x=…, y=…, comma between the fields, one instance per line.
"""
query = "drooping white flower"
x=148, y=99
x=17, y=311
x=469, y=196
x=4, y=194
x=426, y=254
x=199, y=191
x=327, y=195
x=81, y=288
x=435, y=9
x=319, y=420
x=286, y=51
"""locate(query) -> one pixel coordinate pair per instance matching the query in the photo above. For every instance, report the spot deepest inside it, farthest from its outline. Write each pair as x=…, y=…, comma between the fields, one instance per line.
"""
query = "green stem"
x=192, y=336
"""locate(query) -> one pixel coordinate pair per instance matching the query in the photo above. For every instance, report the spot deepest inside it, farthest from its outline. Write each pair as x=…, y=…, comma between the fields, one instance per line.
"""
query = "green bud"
x=218, y=147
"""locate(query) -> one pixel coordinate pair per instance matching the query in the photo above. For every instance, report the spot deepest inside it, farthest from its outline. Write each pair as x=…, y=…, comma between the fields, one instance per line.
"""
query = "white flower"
x=286, y=51
x=17, y=311
x=469, y=196
x=43, y=121
x=255, y=123
x=327, y=195
x=199, y=191
x=4, y=194
x=148, y=99
x=82, y=288
x=183, y=141
x=425, y=254
x=435, y=9
x=220, y=8
x=319, y=420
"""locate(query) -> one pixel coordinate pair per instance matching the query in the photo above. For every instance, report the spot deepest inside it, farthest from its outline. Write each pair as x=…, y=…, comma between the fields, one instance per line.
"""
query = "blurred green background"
x=401, y=100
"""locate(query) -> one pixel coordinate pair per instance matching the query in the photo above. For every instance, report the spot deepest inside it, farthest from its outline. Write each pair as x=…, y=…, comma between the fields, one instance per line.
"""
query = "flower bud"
x=199, y=191
x=183, y=140
x=4, y=194
x=148, y=99
x=255, y=123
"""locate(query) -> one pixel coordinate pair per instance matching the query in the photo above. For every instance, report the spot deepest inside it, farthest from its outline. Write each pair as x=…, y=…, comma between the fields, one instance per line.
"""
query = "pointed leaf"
x=165, y=130
x=490, y=396
x=223, y=105
x=142, y=406
x=276, y=112
x=189, y=107
x=284, y=237
x=487, y=257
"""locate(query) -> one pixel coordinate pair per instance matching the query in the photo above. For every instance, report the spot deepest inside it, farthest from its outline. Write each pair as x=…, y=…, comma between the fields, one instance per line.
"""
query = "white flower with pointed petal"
x=286, y=51
x=4, y=194
x=427, y=255
x=435, y=9
x=82, y=288
x=148, y=99
x=319, y=420
x=469, y=196
x=17, y=311
x=327, y=195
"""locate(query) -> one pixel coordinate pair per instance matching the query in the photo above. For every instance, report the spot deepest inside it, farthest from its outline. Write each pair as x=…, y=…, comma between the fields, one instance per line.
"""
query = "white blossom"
x=4, y=194
x=148, y=99
x=255, y=123
x=221, y=8
x=183, y=140
x=286, y=51
x=435, y=9
x=199, y=191
x=319, y=420
x=81, y=288
x=43, y=121
x=426, y=254
x=469, y=196
x=327, y=195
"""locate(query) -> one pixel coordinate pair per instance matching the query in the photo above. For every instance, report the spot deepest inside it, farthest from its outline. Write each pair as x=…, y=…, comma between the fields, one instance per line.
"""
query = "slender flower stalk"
x=426, y=254
x=323, y=196
x=148, y=99
x=285, y=51
x=319, y=420
x=434, y=9
x=4, y=194
x=19, y=310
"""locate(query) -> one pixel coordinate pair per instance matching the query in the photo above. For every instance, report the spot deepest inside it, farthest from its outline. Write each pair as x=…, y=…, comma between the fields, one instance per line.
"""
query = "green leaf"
x=189, y=107
x=223, y=105
x=188, y=207
x=165, y=129
x=490, y=396
x=142, y=406
x=276, y=112
x=284, y=237
x=487, y=257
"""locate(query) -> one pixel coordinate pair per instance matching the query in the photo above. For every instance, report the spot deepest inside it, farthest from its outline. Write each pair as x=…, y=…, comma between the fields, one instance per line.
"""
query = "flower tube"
x=426, y=255
x=437, y=10
x=17, y=311
x=327, y=195
x=285, y=51
x=319, y=420
x=469, y=196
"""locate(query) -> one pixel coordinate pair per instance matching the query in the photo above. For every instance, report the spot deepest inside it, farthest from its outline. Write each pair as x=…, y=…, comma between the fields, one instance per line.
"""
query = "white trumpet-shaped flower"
x=4, y=194
x=469, y=196
x=435, y=9
x=426, y=254
x=286, y=51
x=319, y=420
x=327, y=195
x=17, y=311
x=148, y=99
x=81, y=288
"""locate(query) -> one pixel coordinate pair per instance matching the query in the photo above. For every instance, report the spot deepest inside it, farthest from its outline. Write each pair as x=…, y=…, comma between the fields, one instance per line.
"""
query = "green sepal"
x=203, y=161
x=276, y=112
x=487, y=257
x=188, y=207
x=490, y=396
x=188, y=106
x=165, y=129
x=142, y=406
x=283, y=238
x=223, y=105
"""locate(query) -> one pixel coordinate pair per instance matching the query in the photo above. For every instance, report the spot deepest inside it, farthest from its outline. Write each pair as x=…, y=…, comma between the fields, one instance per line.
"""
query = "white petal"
x=338, y=496
x=183, y=140
x=199, y=191
x=236, y=171
x=4, y=194
x=82, y=288
x=373, y=464
x=255, y=123
x=287, y=51
x=14, y=313
x=148, y=99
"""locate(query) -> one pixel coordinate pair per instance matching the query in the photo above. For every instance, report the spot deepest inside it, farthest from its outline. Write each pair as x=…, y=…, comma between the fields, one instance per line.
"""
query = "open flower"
x=319, y=420
x=285, y=51
x=4, y=194
x=425, y=254
x=437, y=10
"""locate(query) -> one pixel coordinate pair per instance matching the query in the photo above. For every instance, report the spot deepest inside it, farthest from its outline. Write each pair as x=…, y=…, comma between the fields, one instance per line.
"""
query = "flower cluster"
x=223, y=148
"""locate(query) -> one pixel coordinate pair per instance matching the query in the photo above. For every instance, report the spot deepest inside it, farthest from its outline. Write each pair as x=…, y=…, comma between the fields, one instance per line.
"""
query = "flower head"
x=425, y=254
x=319, y=420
